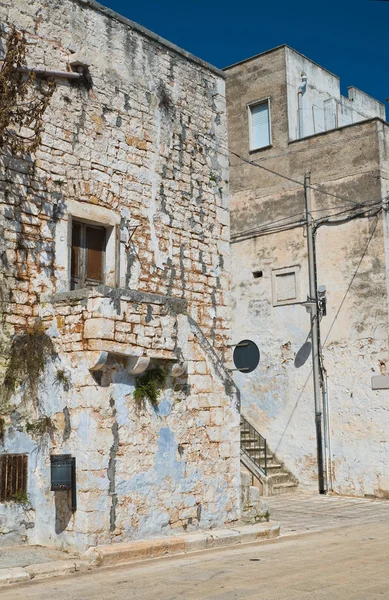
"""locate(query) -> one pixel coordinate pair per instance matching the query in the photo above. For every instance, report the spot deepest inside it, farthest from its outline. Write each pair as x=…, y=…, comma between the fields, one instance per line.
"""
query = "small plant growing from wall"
x=63, y=379
x=29, y=354
x=24, y=100
x=40, y=427
x=148, y=387
x=21, y=497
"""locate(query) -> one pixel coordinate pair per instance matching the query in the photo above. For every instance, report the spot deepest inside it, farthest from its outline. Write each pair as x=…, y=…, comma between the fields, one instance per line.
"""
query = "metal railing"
x=253, y=445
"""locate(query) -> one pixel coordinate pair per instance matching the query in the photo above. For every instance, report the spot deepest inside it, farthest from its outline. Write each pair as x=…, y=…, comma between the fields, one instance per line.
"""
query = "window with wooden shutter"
x=260, y=125
x=13, y=477
x=87, y=255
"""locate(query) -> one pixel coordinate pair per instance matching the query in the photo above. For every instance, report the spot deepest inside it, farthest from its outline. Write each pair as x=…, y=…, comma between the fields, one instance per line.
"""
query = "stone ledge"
x=177, y=305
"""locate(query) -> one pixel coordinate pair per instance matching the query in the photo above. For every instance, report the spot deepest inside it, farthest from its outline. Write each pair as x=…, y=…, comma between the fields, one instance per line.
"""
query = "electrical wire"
x=267, y=228
x=376, y=208
x=367, y=203
x=312, y=187
x=279, y=225
x=351, y=281
x=264, y=225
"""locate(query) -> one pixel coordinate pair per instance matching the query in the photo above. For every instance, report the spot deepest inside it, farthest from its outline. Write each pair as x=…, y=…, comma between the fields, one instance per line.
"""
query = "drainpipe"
x=301, y=92
x=314, y=333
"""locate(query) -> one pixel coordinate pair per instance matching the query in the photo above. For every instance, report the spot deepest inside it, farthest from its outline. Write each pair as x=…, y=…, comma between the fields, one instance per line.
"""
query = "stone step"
x=254, y=450
x=273, y=467
x=283, y=488
x=257, y=454
x=279, y=478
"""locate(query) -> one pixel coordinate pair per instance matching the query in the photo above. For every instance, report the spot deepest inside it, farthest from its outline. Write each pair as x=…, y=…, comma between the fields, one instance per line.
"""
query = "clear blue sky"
x=348, y=37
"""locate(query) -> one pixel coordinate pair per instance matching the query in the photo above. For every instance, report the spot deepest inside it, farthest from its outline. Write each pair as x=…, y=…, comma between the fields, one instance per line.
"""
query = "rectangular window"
x=13, y=477
x=260, y=125
x=87, y=255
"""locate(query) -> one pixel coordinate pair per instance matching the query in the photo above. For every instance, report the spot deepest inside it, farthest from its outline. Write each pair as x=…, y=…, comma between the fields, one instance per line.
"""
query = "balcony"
x=105, y=322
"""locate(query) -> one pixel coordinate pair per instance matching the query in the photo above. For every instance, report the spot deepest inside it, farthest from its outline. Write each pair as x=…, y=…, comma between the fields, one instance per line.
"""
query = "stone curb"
x=54, y=568
x=118, y=554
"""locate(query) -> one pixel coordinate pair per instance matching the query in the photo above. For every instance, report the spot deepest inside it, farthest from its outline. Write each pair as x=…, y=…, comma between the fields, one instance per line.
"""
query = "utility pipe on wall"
x=44, y=73
x=301, y=92
x=314, y=333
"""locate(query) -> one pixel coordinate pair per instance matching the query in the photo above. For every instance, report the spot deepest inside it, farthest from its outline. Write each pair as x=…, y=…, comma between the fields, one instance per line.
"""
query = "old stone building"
x=287, y=115
x=115, y=288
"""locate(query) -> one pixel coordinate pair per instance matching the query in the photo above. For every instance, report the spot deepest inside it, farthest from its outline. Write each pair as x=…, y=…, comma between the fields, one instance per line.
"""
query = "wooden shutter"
x=13, y=476
x=87, y=255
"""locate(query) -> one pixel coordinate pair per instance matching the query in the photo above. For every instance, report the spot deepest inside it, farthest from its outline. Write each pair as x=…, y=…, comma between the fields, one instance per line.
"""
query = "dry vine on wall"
x=23, y=100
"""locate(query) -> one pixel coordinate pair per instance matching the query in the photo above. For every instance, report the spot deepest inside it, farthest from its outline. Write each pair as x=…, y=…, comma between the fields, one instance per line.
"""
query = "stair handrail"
x=255, y=436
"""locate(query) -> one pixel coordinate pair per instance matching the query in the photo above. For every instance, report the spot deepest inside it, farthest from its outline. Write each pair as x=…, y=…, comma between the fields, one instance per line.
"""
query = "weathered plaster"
x=351, y=261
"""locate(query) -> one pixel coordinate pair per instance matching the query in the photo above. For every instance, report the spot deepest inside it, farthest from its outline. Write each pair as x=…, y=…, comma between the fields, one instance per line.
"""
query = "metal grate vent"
x=13, y=476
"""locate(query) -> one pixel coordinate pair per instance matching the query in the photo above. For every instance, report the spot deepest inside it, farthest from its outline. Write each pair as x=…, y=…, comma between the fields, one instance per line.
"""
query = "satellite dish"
x=246, y=356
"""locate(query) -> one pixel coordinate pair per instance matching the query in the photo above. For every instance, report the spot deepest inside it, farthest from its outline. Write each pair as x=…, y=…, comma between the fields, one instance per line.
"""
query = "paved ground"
x=345, y=557
x=350, y=563
x=303, y=512
x=22, y=556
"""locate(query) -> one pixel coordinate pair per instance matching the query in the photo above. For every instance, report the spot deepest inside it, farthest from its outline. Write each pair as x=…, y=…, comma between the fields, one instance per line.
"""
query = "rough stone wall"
x=278, y=397
x=139, y=146
x=116, y=321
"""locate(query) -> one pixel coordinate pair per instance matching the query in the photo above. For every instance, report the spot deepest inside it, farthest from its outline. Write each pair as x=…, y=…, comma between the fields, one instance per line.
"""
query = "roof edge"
x=286, y=47
x=349, y=87
x=241, y=62
x=107, y=12
x=328, y=131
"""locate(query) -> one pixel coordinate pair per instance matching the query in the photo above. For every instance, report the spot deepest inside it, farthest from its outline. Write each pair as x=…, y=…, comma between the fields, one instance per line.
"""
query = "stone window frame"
x=94, y=215
x=293, y=269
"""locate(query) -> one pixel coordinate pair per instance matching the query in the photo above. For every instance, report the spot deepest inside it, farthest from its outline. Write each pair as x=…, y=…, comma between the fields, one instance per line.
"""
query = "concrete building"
x=286, y=114
x=115, y=282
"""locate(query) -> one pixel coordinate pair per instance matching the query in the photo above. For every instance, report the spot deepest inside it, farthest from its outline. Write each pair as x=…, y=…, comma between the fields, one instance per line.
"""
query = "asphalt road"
x=346, y=563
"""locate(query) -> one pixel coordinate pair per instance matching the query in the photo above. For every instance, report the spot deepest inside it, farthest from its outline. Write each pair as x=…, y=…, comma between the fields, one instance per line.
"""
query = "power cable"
x=352, y=281
x=301, y=214
x=367, y=204
x=312, y=187
x=277, y=227
x=364, y=213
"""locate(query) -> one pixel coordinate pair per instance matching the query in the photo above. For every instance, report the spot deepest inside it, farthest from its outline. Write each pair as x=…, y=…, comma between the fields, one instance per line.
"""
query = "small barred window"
x=13, y=477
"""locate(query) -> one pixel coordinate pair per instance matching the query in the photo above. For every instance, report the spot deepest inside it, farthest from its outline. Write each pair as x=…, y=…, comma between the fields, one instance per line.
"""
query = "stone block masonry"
x=138, y=147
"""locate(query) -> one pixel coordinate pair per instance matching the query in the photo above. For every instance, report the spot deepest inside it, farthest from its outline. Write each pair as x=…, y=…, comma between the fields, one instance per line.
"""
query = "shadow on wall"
x=63, y=511
x=301, y=358
x=303, y=354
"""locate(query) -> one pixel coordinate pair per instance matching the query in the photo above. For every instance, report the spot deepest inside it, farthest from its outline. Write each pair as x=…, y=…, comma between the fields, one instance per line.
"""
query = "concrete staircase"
x=270, y=474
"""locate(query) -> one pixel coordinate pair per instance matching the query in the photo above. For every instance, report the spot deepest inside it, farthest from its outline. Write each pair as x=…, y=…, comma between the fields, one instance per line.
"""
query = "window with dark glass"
x=87, y=259
x=13, y=477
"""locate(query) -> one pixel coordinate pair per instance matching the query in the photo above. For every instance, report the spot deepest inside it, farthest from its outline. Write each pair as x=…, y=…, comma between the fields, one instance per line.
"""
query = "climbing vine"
x=23, y=100
x=28, y=355
x=40, y=427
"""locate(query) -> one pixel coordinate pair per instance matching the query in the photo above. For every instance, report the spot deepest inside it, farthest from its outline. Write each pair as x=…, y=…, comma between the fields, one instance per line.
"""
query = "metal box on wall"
x=63, y=475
